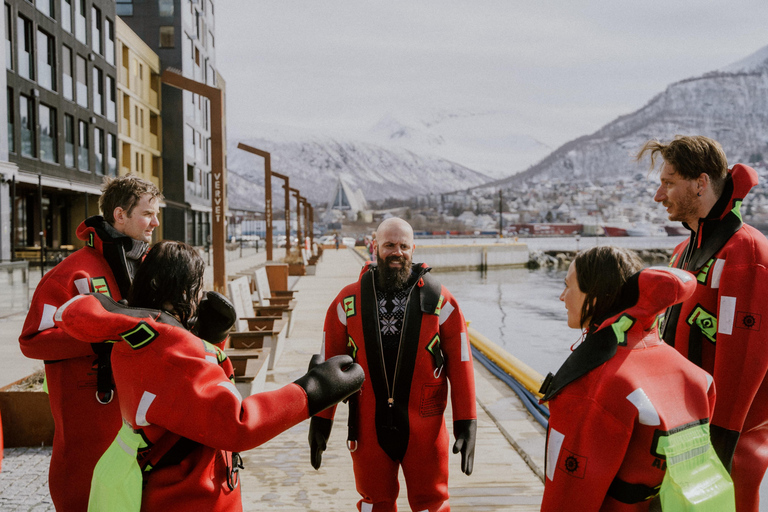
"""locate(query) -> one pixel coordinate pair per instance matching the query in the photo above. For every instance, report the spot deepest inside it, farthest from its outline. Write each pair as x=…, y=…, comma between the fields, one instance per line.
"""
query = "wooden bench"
x=250, y=369
x=267, y=331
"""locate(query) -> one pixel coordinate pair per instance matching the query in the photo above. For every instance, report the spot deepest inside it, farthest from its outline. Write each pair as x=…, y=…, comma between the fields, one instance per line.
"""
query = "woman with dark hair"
x=183, y=419
x=627, y=410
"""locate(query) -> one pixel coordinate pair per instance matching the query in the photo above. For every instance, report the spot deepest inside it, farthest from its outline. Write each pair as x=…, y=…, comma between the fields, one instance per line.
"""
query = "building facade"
x=138, y=110
x=61, y=109
x=181, y=32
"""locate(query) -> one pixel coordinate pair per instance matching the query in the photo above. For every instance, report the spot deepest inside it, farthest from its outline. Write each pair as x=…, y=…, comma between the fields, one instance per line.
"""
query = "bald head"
x=395, y=225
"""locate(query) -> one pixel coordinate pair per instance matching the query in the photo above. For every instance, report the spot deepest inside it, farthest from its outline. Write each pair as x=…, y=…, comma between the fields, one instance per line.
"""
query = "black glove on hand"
x=319, y=432
x=215, y=317
x=465, y=432
x=331, y=382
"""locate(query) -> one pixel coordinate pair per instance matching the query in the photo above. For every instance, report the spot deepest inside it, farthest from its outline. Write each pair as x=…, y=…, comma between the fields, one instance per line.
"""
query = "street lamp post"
x=287, y=188
x=267, y=192
x=218, y=173
x=298, y=213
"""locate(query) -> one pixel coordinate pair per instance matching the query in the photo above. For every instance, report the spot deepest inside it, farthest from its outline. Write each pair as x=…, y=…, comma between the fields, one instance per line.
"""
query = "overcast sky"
x=560, y=69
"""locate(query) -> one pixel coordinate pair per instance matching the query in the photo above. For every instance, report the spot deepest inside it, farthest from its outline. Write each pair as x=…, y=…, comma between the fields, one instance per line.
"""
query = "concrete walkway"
x=278, y=475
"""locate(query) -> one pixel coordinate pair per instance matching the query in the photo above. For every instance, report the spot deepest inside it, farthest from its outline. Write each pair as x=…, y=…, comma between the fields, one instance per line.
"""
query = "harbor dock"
x=509, y=456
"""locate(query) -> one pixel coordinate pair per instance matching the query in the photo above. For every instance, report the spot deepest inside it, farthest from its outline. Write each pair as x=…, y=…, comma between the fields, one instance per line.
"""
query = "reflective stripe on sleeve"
x=717, y=271
x=82, y=286
x=554, y=444
x=445, y=312
x=464, y=347
x=341, y=314
x=646, y=412
x=726, y=315
x=141, y=411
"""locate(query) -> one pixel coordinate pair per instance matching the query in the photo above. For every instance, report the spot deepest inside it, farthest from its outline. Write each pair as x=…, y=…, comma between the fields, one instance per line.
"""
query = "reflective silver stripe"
x=464, y=347
x=646, y=412
x=82, y=285
x=554, y=445
x=445, y=312
x=126, y=448
x=231, y=388
x=46, y=319
x=699, y=450
x=141, y=412
x=341, y=314
x=57, y=313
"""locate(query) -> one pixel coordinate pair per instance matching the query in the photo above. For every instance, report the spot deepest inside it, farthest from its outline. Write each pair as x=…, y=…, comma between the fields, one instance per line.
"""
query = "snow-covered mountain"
x=315, y=163
x=481, y=140
x=729, y=105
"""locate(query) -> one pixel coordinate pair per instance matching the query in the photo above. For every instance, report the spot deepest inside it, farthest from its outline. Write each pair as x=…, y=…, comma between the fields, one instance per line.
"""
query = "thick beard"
x=393, y=279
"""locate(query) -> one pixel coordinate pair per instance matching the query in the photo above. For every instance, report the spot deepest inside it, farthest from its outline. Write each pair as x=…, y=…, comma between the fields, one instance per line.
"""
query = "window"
x=48, y=134
x=46, y=60
x=166, y=37
x=111, y=154
x=109, y=41
x=96, y=30
x=45, y=7
x=82, y=82
x=80, y=25
x=8, y=38
x=27, y=126
x=190, y=173
x=98, y=91
x=124, y=7
x=67, y=77
x=82, y=149
x=26, y=54
x=165, y=7
x=66, y=15
x=11, y=122
x=111, y=99
x=69, y=140
x=98, y=143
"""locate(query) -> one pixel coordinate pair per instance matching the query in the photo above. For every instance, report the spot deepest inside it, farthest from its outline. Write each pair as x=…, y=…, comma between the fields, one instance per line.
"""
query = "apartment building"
x=61, y=108
x=138, y=110
x=181, y=32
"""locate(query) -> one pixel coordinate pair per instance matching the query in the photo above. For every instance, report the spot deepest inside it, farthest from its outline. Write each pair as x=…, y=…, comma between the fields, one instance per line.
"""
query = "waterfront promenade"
x=278, y=475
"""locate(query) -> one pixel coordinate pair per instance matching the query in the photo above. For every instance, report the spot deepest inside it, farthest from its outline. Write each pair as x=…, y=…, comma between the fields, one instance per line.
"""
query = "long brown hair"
x=170, y=275
x=600, y=274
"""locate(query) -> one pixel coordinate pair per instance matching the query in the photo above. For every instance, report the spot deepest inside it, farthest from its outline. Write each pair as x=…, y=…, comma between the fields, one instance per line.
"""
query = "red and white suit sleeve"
x=593, y=438
x=458, y=355
x=741, y=358
x=40, y=338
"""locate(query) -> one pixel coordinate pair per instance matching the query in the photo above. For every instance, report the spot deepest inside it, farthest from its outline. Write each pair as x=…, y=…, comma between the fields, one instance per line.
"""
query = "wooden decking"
x=278, y=475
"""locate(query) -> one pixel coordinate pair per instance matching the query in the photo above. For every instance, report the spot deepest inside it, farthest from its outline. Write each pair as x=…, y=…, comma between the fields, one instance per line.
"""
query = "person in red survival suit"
x=720, y=326
x=78, y=377
x=621, y=389
x=175, y=395
x=409, y=335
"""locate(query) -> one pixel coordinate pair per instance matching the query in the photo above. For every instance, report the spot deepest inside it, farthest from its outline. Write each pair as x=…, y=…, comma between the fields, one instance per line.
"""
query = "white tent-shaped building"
x=344, y=202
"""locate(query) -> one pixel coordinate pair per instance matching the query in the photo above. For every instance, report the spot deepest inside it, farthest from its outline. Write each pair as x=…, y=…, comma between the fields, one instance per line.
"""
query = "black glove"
x=465, y=432
x=319, y=432
x=331, y=382
x=215, y=317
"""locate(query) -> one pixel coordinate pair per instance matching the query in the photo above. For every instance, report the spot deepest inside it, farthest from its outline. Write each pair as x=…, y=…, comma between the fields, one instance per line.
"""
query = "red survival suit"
x=401, y=423
x=172, y=387
x=84, y=427
x=720, y=329
x=614, y=396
